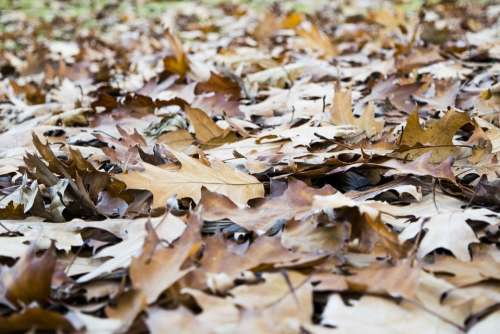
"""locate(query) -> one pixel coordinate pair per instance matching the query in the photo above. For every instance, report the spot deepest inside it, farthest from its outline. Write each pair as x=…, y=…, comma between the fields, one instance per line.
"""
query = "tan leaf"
x=483, y=266
x=381, y=316
x=188, y=180
x=161, y=321
x=158, y=267
x=218, y=259
x=294, y=202
x=318, y=41
x=126, y=308
x=449, y=230
x=438, y=135
x=281, y=304
x=178, y=63
x=341, y=113
x=204, y=127
x=400, y=280
x=307, y=236
x=178, y=140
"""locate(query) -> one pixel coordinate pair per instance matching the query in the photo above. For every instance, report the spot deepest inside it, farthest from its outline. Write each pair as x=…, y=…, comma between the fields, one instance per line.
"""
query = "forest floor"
x=216, y=167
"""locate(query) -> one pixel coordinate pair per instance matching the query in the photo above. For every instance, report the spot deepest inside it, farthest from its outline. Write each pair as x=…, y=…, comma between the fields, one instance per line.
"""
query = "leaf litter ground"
x=222, y=168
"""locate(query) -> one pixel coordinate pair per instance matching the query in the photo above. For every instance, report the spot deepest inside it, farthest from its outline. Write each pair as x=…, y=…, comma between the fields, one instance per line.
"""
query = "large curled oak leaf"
x=190, y=178
x=438, y=136
x=341, y=113
x=30, y=278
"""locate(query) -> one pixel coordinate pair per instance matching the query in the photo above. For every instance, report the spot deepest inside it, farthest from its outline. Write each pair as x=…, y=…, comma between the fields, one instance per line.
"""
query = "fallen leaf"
x=17, y=281
x=448, y=230
x=296, y=201
x=190, y=178
x=318, y=41
x=178, y=63
x=341, y=113
x=158, y=267
x=184, y=322
x=381, y=316
x=35, y=319
x=127, y=307
x=219, y=84
x=437, y=136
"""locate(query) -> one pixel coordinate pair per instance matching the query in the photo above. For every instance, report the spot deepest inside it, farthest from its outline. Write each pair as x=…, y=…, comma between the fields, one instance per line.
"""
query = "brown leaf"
x=219, y=84
x=12, y=211
x=20, y=288
x=309, y=236
x=35, y=318
x=400, y=280
x=484, y=266
x=385, y=236
x=296, y=200
x=204, y=127
x=178, y=63
x=219, y=259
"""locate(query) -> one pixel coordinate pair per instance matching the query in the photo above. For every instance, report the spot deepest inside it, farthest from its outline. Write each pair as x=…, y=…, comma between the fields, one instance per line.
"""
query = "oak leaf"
x=158, y=267
x=318, y=41
x=449, y=230
x=18, y=281
x=219, y=84
x=341, y=113
x=178, y=63
x=438, y=135
x=187, y=181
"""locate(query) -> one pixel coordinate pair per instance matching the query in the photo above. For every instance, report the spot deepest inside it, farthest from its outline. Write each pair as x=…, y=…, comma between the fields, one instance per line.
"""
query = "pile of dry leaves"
x=233, y=169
